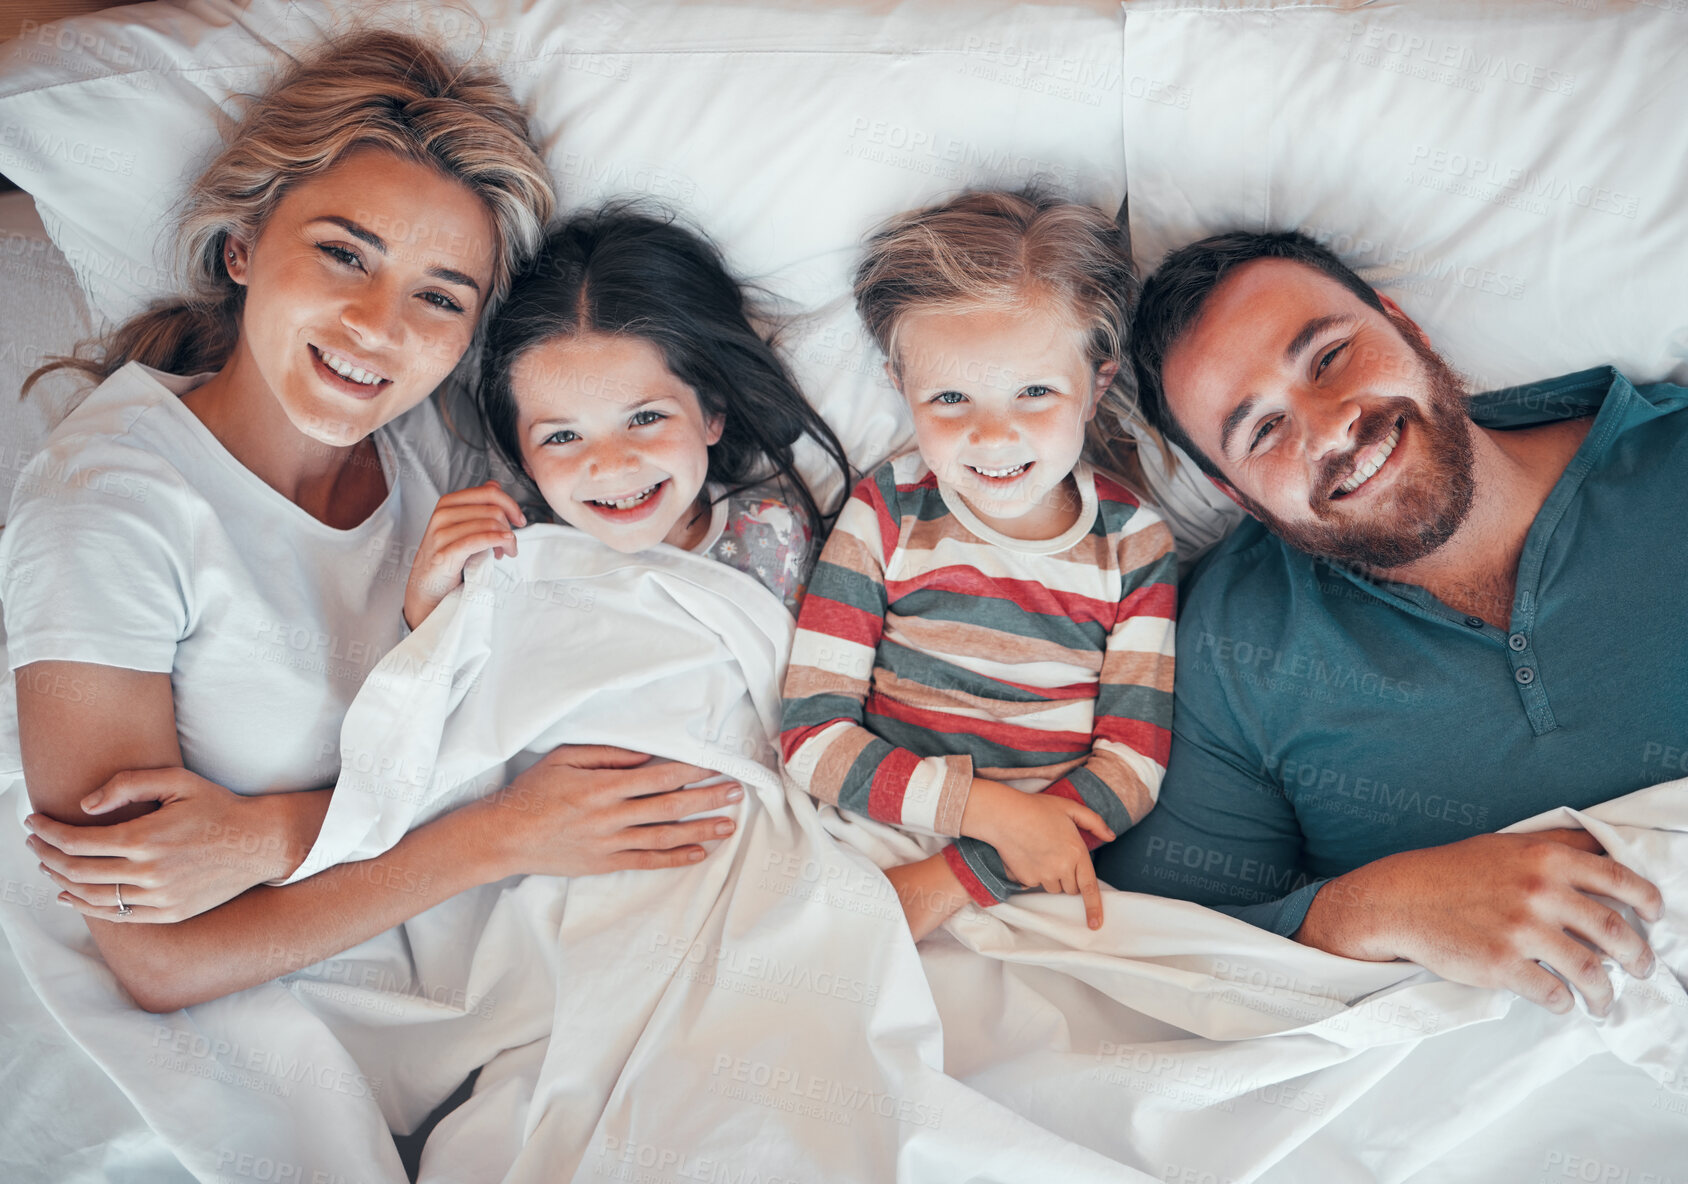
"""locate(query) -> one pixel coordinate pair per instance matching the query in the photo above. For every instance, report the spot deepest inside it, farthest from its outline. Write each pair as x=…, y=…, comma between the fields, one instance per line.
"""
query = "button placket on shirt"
x=1526, y=672
x=1519, y=644
x=1516, y=645
x=1526, y=676
x=1522, y=675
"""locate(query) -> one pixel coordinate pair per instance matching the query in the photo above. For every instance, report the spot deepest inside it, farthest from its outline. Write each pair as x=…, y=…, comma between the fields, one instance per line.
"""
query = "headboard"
x=15, y=15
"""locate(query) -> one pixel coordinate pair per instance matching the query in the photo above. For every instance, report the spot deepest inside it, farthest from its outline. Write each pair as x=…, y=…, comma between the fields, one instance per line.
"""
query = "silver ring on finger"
x=123, y=910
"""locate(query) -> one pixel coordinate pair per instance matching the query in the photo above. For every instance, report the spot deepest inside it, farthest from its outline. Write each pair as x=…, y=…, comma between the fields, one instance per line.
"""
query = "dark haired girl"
x=624, y=379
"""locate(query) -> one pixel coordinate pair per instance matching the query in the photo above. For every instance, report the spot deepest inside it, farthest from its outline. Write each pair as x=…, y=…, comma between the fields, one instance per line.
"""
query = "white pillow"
x=1512, y=174
x=41, y=314
x=784, y=130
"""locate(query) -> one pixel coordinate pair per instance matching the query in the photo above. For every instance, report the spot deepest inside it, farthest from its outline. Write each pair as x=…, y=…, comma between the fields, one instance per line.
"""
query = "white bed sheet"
x=1173, y=1044
x=62, y=1119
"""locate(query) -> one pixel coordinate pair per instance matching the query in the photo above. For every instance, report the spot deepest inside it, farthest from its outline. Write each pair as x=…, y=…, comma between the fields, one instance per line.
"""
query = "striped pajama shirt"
x=931, y=649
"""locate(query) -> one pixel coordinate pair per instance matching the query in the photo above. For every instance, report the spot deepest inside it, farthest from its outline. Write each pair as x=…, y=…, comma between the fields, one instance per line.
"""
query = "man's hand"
x=1486, y=910
x=1040, y=838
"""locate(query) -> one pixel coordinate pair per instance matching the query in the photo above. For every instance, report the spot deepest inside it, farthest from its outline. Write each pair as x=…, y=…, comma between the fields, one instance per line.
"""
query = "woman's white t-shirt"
x=136, y=540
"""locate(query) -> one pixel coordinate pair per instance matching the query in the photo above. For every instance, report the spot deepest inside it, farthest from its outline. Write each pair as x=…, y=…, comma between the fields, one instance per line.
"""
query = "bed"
x=1510, y=173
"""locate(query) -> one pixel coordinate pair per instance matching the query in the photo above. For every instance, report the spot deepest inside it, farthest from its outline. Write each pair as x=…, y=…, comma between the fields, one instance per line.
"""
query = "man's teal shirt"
x=1323, y=720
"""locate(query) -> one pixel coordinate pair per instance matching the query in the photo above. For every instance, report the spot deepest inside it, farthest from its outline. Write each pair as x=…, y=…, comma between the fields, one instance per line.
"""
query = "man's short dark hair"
x=1175, y=295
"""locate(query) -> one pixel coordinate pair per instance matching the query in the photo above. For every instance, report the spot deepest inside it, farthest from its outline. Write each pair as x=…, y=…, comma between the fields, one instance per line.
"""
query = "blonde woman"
x=200, y=569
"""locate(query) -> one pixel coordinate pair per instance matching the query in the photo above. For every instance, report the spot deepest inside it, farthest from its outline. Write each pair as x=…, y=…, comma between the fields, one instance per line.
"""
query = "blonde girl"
x=985, y=654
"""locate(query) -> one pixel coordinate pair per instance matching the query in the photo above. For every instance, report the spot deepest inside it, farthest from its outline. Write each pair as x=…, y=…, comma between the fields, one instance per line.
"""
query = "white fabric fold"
x=763, y=1016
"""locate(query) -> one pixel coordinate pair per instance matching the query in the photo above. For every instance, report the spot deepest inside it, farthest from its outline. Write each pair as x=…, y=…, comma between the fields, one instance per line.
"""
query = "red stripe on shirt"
x=889, y=528
x=1149, y=739
x=974, y=886
x=890, y=781
x=1027, y=595
x=1109, y=490
x=1151, y=600
x=925, y=484
x=846, y=622
x=794, y=738
x=995, y=731
x=1064, y=788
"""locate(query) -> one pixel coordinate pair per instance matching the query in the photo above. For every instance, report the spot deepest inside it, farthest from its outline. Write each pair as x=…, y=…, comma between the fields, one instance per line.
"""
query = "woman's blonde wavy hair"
x=376, y=89
x=1002, y=250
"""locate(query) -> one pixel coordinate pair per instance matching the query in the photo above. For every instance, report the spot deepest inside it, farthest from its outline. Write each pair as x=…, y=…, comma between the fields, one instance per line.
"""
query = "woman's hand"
x=463, y=524
x=583, y=810
x=202, y=846
x=1040, y=838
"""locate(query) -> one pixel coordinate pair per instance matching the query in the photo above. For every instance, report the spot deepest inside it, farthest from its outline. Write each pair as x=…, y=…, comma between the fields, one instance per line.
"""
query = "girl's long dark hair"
x=621, y=270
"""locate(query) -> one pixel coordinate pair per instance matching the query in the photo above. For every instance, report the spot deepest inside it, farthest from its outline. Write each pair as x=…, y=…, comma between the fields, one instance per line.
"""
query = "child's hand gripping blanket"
x=1199, y=1048
x=762, y=1008
x=695, y=1033
x=761, y=1013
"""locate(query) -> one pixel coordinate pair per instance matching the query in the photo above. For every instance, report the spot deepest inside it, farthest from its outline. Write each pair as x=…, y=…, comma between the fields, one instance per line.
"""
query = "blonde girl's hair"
x=376, y=89
x=1001, y=250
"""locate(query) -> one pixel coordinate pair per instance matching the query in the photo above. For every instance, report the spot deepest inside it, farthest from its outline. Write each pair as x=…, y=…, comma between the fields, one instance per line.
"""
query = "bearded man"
x=1450, y=612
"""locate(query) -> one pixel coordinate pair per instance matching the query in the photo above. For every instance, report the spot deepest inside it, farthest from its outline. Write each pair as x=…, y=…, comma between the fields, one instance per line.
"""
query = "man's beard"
x=1422, y=509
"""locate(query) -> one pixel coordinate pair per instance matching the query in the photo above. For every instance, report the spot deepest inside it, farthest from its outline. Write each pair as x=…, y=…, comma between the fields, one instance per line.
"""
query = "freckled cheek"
x=939, y=439
x=290, y=295
x=1066, y=432
x=1052, y=439
x=687, y=459
x=556, y=479
x=432, y=350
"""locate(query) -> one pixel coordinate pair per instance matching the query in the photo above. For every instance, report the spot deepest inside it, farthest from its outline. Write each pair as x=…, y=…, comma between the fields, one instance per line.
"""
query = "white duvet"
x=763, y=1016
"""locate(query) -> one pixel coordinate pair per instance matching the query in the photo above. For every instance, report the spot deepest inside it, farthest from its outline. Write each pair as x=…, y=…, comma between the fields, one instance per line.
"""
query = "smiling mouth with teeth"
x=346, y=370
x=1364, y=471
x=1001, y=474
x=625, y=503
